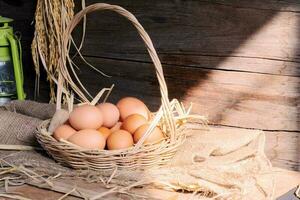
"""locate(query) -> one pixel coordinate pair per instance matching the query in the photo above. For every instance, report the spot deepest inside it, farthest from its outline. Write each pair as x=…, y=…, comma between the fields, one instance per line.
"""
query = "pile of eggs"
x=108, y=126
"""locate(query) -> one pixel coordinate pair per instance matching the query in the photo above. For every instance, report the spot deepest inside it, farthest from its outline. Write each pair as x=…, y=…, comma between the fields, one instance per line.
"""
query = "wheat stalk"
x=51, y=20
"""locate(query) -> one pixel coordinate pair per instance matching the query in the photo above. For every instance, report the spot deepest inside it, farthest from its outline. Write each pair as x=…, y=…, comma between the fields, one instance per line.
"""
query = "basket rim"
x=43, y=133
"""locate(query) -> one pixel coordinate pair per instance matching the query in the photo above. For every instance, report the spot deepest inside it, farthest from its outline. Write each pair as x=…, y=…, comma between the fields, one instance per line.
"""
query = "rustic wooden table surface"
x=285, y=180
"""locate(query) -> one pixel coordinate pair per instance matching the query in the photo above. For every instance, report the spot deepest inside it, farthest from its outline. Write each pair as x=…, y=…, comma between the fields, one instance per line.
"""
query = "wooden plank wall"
x=237, y=61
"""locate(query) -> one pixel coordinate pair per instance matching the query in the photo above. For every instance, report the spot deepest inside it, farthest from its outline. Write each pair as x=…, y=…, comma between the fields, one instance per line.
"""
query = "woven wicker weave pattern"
x=77, y=158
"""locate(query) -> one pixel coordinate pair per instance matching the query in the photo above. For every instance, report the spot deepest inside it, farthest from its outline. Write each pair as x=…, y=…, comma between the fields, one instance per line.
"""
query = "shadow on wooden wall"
x=237, y=62
x=18, y=3
x=191, y=37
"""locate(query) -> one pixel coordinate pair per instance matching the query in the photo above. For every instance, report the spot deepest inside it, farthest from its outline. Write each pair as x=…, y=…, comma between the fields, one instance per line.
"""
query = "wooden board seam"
x=269, y=130
x=194, y=66
x=253, y=8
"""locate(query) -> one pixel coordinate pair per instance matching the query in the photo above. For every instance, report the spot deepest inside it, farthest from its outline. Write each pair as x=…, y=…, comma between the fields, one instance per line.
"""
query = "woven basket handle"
x=152, y=52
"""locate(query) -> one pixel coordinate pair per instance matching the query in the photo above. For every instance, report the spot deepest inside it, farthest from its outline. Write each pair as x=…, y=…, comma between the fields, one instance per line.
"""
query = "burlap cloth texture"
x=218, y=165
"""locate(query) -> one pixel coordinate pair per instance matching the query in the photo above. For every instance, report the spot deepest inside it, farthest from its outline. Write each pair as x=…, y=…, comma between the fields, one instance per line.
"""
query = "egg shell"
x=110, y=114
x=88, y=139
x=155, y=136
x=132, y=122
x=104, y=131
x=86, y=117
x=116, y=127
x=131, y=105
x=63, y=132
x=120, y=139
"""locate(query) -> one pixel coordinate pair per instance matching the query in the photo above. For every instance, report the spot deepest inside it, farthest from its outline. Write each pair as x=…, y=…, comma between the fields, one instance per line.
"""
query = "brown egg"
x=104, y=131
x=63, y=132
x=116, y=127
x=88, y=139
x=132, y=122
x=119, y=140
x=110, y=114
x=130, y=105
x=86, y=117
x=155, y=136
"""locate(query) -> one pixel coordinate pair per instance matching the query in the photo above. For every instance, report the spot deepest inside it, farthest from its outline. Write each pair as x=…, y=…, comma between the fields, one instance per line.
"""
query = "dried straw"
x=18, y=147
x=12, y=175
x=13, y=196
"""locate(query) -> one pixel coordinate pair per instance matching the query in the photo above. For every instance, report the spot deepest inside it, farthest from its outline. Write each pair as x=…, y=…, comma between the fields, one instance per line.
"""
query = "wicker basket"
x=170, y=118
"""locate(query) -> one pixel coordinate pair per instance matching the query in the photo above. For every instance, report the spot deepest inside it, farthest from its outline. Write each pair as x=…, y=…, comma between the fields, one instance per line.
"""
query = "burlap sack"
x=214, y=164
x=18, y=122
